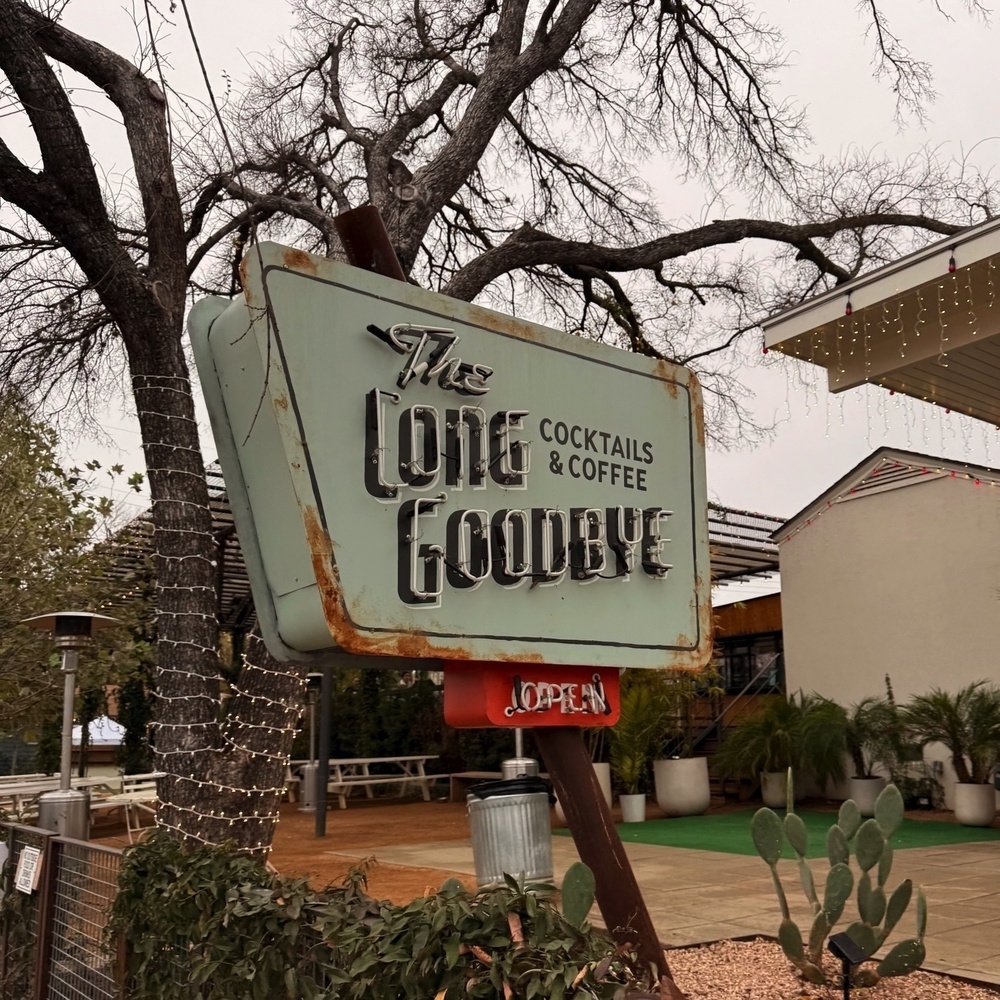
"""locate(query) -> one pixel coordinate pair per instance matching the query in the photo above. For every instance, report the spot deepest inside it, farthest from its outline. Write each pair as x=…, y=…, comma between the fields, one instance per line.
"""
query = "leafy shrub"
x=208, y=924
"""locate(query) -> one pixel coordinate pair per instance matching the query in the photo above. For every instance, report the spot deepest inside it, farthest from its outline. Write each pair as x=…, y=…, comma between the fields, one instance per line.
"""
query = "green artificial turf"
x=729, y=833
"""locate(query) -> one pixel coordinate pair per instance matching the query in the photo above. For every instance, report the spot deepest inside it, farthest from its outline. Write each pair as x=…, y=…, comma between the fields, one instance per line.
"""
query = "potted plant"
x=872, y=736
x=804, y=733
x=595, y=741
x=632, y=739
x=681, y=779
x=968, y=725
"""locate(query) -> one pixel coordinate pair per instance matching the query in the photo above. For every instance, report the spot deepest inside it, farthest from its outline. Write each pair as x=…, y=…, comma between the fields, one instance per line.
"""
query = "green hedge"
x=209, y=924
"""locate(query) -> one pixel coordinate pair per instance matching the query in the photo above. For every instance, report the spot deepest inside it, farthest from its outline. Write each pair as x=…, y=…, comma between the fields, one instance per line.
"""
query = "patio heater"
x=67, y=810
x=308, y=792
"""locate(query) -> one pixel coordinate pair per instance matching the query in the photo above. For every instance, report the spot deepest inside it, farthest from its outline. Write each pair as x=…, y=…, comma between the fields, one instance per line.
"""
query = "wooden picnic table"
x=347, y=773
x=18, y=795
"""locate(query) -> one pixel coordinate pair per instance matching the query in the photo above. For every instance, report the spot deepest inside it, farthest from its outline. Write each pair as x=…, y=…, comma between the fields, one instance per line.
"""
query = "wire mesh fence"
x=81, y=965
x=20, y=928
x=54, y=944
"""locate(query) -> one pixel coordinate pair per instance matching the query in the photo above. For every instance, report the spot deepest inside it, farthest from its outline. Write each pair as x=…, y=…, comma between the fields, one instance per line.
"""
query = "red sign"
x=477, y=695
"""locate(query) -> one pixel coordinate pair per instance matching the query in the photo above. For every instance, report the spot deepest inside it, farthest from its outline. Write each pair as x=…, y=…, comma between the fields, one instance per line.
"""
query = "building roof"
x=740, y=543
x=884, y=470
x=927, y=326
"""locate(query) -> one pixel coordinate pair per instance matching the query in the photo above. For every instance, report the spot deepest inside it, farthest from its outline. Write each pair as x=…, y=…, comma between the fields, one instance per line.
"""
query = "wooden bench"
x=19, y=794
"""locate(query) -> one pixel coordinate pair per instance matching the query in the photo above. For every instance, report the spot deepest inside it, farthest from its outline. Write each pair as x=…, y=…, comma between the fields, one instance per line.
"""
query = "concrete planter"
x=682, y=787
x=774, y=788
x=603, y=771
x=975, y=805
x=633, y=808
x=864, y=792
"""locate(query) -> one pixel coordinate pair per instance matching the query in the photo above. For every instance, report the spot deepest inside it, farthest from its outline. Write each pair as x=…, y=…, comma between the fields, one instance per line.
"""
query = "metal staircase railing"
x=754, y=686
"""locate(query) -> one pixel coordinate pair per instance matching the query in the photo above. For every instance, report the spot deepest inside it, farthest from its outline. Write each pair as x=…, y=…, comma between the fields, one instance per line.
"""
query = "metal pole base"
x=66, y=811
x=309, y=788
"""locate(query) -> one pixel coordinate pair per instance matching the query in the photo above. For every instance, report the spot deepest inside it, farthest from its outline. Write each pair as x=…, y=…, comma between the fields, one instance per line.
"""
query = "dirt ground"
x=351, y=834
x=358, y=831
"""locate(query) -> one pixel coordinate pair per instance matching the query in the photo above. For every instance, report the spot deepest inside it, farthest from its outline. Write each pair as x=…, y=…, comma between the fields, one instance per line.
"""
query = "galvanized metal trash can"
x=511, y=830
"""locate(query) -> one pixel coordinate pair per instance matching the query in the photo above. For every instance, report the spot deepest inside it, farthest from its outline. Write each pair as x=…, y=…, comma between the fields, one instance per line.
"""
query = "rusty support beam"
x=600, y=848
x=366, y=242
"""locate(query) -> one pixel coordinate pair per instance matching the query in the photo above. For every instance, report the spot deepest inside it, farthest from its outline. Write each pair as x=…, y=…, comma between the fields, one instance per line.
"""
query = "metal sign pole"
x=70, y=661
x=325, y=736
x=312, y=727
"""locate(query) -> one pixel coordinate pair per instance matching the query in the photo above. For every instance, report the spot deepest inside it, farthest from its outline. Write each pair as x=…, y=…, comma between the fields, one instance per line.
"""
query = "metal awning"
x=926, y=326
x=740, y=544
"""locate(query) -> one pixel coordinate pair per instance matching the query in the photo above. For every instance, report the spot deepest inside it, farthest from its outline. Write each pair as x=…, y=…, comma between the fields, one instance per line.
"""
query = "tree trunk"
x=223, y=781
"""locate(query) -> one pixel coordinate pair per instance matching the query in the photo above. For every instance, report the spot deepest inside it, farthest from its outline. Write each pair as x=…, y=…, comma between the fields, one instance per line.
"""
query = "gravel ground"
x=757, y=970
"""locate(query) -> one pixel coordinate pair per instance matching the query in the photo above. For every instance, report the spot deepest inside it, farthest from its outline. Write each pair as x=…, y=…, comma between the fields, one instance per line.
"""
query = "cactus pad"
x=839, y=882
x=795, y=831
x=885, y=864
x=907, y=956
x=849, y=818
x=863, y=936
x=871, y=900
x=578, y=892
x=837, y=849
x=898, y=902
x=869, y=844
x=790, y=939
x=889, y=810
x=765, y=828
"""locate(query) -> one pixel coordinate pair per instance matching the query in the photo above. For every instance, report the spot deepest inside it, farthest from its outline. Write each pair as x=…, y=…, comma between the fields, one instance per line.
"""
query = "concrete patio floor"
x=700, y=896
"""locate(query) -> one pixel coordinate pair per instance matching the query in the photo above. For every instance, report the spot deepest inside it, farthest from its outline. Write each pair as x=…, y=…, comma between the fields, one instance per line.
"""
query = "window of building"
x=752, y=663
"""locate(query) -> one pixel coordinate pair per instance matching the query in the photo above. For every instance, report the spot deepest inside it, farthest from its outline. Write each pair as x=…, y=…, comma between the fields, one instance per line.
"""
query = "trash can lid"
x=526, y=785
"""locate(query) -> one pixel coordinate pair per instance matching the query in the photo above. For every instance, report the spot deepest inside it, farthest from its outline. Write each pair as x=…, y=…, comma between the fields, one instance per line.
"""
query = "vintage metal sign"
x=415, y=476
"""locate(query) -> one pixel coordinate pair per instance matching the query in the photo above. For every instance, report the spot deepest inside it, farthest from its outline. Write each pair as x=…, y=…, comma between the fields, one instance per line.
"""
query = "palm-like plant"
x=638, y=727
x=872, y=734
x=967, y=723
x=804, y=732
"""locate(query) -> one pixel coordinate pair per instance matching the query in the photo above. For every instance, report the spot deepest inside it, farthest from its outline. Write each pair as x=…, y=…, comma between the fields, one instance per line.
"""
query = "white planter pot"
x=975, y=805
x=682, y=787
x=774, y=788
x=603, y=771
x=633, y=808
x=864, y=792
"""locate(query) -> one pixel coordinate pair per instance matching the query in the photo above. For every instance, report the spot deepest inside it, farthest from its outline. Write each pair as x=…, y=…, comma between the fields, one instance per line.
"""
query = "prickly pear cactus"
x=878, y=910
x=578, y=892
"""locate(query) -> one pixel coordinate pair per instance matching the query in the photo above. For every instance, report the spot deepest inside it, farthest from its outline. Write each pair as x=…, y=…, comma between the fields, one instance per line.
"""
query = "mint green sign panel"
x=415, y=476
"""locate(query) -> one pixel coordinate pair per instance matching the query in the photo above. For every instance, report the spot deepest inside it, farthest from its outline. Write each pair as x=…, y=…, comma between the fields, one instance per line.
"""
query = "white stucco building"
x=894, y=570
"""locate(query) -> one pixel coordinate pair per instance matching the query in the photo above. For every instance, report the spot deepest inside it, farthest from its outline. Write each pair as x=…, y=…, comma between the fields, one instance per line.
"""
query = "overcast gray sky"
x=819, y=436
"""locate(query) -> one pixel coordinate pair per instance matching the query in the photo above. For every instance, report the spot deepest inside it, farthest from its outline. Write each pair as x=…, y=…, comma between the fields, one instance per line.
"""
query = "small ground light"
x=842, y=946
x=67, y=811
